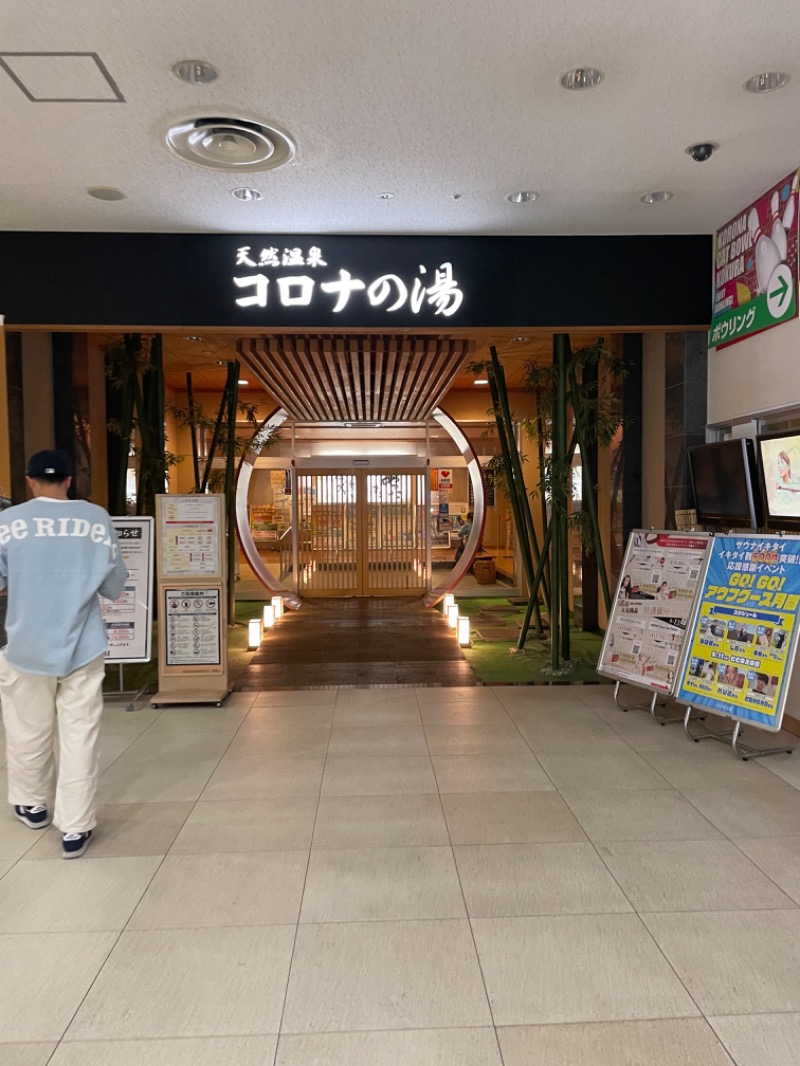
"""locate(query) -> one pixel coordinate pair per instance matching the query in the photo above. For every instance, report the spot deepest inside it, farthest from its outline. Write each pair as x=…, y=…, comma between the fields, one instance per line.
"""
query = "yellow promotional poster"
x=741, y=647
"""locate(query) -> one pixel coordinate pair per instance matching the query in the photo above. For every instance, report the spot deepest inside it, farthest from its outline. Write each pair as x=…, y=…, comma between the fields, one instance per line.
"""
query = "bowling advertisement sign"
x=755, y=266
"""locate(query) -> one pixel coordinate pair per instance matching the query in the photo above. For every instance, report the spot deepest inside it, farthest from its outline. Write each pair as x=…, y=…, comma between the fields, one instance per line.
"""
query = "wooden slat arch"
x=356, y=378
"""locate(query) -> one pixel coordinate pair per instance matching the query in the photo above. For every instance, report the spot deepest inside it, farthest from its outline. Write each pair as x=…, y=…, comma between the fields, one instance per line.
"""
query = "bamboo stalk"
x=233, y=391
x=223, y=405
x=519, y=477
x=522, y=514
x=589, y=494
x=193, y=432
x=560, y=573
x=533, y=601
x=544, y=561
x=519, y=521
x=158, y=482
x=542, y=469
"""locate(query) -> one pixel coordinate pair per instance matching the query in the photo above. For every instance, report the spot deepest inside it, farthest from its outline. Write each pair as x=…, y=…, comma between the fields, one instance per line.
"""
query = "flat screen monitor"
x=779, y=462
x=725, y=483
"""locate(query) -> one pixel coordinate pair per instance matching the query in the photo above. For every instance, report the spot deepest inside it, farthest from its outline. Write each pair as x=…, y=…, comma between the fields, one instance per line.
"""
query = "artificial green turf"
x=496, y=662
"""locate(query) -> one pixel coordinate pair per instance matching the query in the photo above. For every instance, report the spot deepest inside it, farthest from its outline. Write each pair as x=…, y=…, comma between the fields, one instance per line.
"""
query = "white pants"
x=30, y=704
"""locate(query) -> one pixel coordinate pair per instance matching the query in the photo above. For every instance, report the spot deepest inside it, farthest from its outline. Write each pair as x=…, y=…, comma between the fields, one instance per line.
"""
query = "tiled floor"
x=410, y=877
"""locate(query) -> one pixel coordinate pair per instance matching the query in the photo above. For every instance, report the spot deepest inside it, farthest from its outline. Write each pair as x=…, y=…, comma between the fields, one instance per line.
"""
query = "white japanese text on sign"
x=437, y=288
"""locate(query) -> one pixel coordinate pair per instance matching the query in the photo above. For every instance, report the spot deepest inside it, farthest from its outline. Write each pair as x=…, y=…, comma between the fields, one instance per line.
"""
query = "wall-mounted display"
x=779, y=461
x=726, y=485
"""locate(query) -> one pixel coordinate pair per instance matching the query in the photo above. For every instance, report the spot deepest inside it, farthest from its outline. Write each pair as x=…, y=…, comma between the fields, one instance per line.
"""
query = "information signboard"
x=741, y=646
x=656, y=592
x=193, y=627
x=192, y=634
x=129, y=618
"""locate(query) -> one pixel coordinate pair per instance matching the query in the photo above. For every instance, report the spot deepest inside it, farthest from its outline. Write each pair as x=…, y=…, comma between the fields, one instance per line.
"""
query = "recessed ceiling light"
x=522, y=197
x=519, y=340
x=655, y=197
x=195, y=71
x=766, y=83
x=105, y=192
x=246, y=194
x=386, y=196
x=243, y=381
x=581, y=78
x=481, y=381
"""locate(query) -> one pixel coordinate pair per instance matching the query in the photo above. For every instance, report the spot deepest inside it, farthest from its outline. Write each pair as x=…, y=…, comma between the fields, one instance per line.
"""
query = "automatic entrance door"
x=361, y=533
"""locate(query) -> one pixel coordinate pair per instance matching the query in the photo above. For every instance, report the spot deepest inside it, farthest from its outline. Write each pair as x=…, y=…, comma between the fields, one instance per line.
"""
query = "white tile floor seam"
x=119, y=934
x=450, y=903
x=468, y=916
x=285, y=996
x=638, y=912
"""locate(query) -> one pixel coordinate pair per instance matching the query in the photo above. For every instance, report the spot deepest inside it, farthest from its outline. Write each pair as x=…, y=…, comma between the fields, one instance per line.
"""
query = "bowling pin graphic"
x=791, y=207
x=778, y=228
x=767, y=255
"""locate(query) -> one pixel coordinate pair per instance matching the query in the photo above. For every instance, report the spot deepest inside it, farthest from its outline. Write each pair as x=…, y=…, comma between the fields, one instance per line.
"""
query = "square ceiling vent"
x=62, y=77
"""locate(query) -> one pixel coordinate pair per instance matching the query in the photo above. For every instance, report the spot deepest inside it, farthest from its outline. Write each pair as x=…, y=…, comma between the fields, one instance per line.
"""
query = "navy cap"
x=50, y=464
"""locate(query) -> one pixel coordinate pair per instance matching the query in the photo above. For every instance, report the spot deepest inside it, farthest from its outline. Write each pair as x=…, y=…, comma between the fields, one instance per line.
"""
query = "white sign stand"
x=129, y=618
x=653, y=606
x=743, y=637
x=192, y=631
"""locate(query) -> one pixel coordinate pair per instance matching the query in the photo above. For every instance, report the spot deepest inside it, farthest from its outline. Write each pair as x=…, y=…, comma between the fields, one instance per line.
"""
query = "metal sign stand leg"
x=745, y=751
x=697, y=737
x=638, y=706
x=122, y=694
x=651, y=707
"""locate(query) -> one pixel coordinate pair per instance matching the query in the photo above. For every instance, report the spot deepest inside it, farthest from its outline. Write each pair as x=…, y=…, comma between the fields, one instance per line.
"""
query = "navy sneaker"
x=74, y=844
x=34, y=817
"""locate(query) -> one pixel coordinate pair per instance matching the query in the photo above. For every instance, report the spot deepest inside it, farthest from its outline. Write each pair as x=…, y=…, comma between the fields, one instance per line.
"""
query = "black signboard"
x=287, y=281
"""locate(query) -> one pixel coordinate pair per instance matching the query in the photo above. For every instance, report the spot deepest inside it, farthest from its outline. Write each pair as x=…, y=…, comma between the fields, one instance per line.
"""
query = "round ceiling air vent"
x=230, y=144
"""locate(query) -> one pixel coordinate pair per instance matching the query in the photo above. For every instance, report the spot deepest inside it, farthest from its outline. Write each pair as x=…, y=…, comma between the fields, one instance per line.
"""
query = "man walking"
x=56, y=555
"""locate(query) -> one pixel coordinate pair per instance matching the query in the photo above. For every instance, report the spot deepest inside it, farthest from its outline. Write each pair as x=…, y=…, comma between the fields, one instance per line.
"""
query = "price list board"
x=190, y=541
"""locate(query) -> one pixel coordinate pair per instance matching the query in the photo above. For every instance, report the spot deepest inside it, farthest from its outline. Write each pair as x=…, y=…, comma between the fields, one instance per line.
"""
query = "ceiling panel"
x=448, y=105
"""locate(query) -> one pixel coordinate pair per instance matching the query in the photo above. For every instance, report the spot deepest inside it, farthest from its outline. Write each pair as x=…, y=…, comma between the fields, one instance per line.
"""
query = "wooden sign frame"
x=192, y=600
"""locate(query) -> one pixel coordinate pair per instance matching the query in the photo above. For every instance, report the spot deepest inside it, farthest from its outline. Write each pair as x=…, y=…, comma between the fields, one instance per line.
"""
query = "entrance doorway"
x=361, y=532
